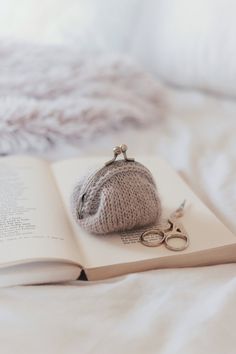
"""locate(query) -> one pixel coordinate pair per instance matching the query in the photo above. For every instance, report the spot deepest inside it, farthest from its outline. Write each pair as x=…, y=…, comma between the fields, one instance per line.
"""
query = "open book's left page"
x=33, y=223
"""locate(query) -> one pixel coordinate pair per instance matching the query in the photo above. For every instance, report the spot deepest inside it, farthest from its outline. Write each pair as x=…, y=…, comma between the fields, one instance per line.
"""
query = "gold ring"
x=154, y=243
x=173, y=248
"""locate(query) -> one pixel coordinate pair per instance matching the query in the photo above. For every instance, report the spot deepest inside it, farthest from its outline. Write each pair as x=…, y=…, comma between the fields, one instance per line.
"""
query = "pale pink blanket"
x=55, y=95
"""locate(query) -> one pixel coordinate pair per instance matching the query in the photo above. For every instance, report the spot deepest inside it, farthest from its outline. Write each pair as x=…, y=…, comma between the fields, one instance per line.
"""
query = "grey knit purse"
x=120, y=196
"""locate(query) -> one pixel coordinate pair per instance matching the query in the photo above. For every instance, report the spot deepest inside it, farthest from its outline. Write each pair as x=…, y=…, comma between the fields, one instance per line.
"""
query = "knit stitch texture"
x=121, y=196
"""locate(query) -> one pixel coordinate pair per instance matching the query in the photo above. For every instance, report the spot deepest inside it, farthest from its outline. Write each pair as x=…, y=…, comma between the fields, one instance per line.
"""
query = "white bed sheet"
x=162, y=311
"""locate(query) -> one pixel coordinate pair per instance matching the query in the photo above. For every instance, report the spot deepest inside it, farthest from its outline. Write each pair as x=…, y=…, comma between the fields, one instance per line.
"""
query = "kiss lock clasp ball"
x=118, y=150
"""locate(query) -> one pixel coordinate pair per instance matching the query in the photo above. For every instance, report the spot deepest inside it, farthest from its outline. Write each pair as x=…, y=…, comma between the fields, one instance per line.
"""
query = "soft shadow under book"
x=40, y=242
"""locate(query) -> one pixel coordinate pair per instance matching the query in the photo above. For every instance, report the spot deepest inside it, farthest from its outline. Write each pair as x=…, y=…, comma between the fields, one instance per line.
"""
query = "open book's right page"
x=205, y=231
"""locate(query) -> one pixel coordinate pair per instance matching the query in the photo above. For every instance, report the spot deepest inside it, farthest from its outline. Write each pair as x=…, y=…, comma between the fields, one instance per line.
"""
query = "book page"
x=33, y=222
x=204, y=229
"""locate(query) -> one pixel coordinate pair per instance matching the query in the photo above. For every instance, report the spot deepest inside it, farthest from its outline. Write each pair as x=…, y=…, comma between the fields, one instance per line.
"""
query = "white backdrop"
x=185, y=42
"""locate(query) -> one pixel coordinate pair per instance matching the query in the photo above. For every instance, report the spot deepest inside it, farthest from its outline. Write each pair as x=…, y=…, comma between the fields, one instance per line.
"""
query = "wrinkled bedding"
x=161, y=311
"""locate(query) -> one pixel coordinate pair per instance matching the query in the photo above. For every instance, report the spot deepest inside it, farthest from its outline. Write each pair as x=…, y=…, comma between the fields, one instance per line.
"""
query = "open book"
x=41, y=243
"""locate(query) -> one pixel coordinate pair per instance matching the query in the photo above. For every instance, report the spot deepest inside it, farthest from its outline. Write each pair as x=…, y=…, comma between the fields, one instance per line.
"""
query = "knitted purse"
x=120, y=196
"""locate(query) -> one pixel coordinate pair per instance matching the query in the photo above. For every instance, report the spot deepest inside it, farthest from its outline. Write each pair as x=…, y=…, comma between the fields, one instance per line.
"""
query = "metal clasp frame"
x=118, y=150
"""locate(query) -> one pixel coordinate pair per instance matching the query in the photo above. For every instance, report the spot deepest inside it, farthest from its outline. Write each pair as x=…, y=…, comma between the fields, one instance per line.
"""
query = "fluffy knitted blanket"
x=49, y=95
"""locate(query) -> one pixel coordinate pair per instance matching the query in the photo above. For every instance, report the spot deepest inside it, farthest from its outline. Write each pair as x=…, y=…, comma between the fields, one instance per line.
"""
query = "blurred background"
x=184, y=42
